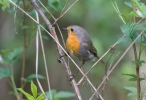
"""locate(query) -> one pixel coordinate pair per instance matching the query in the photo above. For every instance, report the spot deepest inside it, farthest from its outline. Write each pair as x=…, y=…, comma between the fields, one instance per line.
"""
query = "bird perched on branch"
x=80, y=45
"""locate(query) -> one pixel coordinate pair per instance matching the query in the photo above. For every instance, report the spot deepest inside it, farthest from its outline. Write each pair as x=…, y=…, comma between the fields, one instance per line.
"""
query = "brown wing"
x=93, y=50
x=89, y=46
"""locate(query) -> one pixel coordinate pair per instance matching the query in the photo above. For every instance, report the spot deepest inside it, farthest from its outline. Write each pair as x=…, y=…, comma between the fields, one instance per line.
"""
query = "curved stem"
x=13, y=83
x=137, y=66
x=24, y=52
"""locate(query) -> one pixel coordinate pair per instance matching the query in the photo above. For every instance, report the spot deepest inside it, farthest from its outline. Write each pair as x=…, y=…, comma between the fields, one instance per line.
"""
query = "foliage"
x=60, y=95
x=4, y=72
x=5, y=4
x=56, y=96
x=10, y=56
x=33, y=76
x=56, y=4
x=99, y=21
x=133, y=91
x=129, y=32
x=34, y=95
x=134, y=77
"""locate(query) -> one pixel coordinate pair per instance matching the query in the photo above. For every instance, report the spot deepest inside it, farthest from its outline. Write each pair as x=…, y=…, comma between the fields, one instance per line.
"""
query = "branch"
x=98, y=61
x=117, y=63
x=57, y=42
x=52, y=30
x=24, y=51
x=136, y=59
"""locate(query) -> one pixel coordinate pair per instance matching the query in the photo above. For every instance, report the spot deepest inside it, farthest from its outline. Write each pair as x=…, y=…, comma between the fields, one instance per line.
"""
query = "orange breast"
x=72, y=43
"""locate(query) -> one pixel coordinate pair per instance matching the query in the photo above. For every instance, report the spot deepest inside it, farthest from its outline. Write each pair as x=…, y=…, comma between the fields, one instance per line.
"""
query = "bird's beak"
x=64, y=29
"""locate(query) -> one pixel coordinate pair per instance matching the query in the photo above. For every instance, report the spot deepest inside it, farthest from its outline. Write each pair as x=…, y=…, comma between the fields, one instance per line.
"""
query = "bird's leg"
x=73, y=76
x=101, y=60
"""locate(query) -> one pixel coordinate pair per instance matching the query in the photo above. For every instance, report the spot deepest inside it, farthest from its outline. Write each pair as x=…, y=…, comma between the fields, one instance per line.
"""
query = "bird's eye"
x=72, y=29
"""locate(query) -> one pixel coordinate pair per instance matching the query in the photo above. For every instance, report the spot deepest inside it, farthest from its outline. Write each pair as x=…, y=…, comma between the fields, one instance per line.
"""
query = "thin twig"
x=63, y=60
x=64, y=7
x=55, y=18
x=24, y=51
x=49, y=34
x=37, y=50
x=106, y=70
x=52, y=30
x=117, y=63
x=44, y=57
x=61, y=35
x=46, y=9
x=109, y=68
x=98, y=61
x=65, y=12
x=37, y=44
x=59, y=47
x=13, y=83
x=118, y=11
x=136, y=59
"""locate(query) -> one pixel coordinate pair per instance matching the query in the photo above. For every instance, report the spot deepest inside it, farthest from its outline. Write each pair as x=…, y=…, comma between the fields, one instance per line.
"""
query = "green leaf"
x=40, y=97
x=28, y=96
x=138, y=62
x=128, y=29
x=33, y=89
x=131, y=94
x=33, y=76
x=5, y=4
x=134, y=77
x=129, y=4
x=64, y=94
x=125, y=40
x=133, y=91
x=10, y=56
x=130, y=32
x=52, y=92
x=56, y=4
x=4, y=72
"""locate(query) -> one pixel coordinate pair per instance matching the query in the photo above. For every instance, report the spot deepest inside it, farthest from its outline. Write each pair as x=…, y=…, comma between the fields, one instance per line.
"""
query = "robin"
x=80, y=45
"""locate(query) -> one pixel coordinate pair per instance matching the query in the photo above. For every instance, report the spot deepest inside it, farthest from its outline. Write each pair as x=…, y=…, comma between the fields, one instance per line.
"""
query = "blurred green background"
x=102, y=23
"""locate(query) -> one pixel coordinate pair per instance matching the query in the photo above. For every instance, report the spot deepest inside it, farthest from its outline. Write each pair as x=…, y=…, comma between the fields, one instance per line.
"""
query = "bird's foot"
x=59, y=59
x=71, y=77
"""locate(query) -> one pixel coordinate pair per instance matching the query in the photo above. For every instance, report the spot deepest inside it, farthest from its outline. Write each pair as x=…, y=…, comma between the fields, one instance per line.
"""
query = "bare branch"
x=117, y=63
x=97, y=62
x=47, y=10
x=42, y=46
x=52, y=30
x=65, y=11
x=60, y=52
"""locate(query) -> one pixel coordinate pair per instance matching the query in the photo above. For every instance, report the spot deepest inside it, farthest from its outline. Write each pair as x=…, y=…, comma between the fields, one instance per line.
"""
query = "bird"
x=80, y=45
